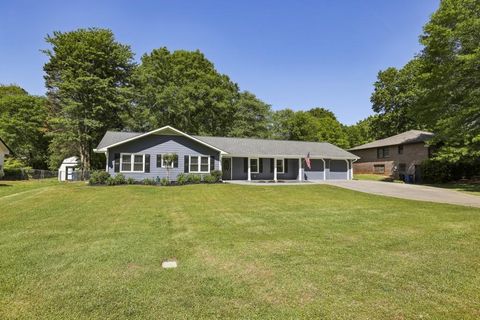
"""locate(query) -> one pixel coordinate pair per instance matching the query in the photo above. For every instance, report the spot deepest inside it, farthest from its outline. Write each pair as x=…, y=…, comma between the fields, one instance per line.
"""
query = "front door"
x=226, y=168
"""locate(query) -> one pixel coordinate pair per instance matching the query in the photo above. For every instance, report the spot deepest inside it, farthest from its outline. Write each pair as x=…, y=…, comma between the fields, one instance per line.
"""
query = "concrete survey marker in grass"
x=169, y=264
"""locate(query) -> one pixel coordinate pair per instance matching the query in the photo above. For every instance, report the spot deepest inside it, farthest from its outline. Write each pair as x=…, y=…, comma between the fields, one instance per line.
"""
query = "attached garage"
x=338, y=170
x=316, y=171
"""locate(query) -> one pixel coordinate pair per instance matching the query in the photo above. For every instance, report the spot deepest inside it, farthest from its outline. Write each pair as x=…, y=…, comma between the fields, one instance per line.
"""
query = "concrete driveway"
x=409, y=191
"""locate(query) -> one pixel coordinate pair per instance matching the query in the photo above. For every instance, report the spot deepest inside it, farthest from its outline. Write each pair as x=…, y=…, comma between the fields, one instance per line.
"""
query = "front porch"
x=288, y=169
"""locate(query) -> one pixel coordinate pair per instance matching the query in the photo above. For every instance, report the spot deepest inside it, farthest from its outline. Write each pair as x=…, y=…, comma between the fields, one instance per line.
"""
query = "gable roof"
x=112, y=138
x=407, y=137
x=241, y=146
x=6, y=146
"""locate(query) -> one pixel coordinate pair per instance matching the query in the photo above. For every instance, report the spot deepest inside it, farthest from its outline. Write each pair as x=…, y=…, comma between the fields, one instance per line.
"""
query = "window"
x=132, y=162
x=174, y=164
x=379, y=168
x=402, y=167
x=280, y=165
x=199, y=164
x=254, y=165
x=204, y=164
x=400, y=149
x=126, y=162
x=383, y=153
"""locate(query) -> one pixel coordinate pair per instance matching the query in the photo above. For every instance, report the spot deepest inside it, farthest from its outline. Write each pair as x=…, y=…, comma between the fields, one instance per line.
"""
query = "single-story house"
x=4, y=150
x=140, y=156
x=398, y=156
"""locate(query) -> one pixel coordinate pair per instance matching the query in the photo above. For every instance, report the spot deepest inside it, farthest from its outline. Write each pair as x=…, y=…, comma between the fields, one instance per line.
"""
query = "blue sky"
x=296, y=54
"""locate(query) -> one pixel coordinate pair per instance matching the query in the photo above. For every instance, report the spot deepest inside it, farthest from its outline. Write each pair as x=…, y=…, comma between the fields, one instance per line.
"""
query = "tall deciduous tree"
x=251, y=117
x=87, y=78
x=451, y=78
x=394, y=100
x=182, y=89
x=23, y=125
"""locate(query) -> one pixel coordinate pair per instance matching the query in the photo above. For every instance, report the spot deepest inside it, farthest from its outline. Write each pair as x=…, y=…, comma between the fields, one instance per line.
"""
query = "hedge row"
x=104, y=178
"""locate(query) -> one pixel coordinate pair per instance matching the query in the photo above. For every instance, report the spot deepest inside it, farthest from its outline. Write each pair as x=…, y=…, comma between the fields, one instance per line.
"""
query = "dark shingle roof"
x=251, y=146
x=265, y=147
x=112, y=137
x=412, y=136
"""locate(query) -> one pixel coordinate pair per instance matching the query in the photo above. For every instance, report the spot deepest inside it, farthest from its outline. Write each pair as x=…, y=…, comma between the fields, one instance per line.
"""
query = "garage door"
x=316, y=172
x=338, y=170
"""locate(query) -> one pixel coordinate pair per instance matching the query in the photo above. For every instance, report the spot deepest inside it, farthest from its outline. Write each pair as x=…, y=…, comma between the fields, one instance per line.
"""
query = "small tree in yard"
x=168, y=160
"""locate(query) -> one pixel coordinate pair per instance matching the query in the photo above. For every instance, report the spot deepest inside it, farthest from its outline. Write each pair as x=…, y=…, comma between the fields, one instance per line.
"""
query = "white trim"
x=299, y=178
x=348, y=169
x=275, y=169
x=324, y=169
x=155, y=131
x=199, y=157
x=132, y=162
x=283, y=165
x=249, y=173
x=258, y=165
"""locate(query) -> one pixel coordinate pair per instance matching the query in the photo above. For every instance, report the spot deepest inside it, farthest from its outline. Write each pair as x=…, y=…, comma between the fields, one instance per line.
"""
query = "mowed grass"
x=71, y=251
x=375, y=177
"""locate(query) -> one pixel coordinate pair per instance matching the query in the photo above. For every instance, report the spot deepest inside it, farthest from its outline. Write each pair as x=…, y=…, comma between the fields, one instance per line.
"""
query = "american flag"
x=307, y=161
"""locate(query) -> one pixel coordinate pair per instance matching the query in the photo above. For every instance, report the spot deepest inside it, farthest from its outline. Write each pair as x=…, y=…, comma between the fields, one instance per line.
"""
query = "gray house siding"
x=238, y=172
x=161, y=144
x=338, y=170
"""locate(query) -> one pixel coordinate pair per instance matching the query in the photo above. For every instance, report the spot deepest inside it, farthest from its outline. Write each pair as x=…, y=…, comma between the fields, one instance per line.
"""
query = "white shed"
x=67, y=169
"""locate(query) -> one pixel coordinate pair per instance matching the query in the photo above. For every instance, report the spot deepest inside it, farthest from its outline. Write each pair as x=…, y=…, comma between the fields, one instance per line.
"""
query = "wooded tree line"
x=94, y=84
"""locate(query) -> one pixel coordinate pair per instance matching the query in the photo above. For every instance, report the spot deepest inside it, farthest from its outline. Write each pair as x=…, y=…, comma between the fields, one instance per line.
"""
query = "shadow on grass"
x=460, y=186
x=5, y=185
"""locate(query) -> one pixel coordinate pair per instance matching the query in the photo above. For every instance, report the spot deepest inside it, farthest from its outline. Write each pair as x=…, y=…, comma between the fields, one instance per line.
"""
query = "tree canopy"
x=87, y=79
x=23, y=125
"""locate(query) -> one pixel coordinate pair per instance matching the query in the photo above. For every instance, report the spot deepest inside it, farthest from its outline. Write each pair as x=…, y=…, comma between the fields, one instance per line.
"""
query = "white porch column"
x=348, y=170
x=220, y=162
x=324, y=170
x=106, y=157
x=249, y=171
x=275, y=169
x=300, y=169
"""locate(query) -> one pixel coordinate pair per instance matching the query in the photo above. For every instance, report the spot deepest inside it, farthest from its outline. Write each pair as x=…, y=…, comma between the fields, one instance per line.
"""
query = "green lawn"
x=374, y=177
x=70, y=251
x=472, y=188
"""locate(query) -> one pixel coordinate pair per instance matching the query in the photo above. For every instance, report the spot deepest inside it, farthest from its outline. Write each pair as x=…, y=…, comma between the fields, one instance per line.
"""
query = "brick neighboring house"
x=398, y=156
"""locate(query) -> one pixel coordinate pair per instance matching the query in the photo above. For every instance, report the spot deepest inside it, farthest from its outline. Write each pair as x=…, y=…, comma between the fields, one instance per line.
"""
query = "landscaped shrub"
x=98, y=177
x=120, y=179
x=130, y=180
x=149, y=182
x=194, y=178
x=209, y=178
x=217, y=174
x=182, y=178
x=439, y=171
x=110, y=181
x=15, y=169
x=164, y=182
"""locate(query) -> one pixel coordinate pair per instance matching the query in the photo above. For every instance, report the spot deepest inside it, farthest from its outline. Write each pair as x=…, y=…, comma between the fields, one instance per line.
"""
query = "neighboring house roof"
x=412, y=136
x=6, y=146
x=244, y=146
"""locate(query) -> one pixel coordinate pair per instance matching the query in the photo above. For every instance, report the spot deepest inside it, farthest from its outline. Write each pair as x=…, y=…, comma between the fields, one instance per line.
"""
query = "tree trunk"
x=84, y=159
